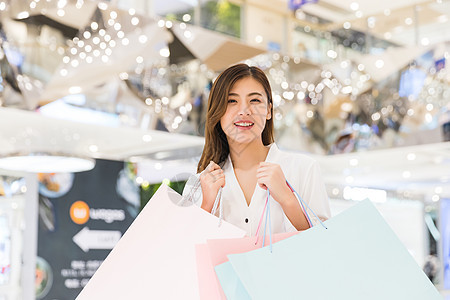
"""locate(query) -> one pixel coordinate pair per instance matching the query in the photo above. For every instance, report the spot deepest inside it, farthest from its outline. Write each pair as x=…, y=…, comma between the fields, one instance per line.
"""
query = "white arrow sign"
x=96, y=239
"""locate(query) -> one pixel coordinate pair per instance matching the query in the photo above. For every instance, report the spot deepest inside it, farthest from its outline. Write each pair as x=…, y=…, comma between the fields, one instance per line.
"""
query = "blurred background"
x=102, y=101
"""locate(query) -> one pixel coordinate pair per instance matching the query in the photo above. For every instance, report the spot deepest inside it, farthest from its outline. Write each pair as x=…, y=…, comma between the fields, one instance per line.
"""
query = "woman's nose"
x=244, y=109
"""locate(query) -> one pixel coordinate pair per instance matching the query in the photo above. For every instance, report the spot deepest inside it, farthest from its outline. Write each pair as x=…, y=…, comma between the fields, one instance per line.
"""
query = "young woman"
x=241, y=157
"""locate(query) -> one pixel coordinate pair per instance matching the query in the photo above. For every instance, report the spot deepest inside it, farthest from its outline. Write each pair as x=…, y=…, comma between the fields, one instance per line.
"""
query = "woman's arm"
x=294, y=211
x=270, y=175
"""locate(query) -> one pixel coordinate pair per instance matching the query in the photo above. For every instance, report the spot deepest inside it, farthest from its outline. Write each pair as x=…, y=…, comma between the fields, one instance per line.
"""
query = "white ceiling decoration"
x=34, y=133
x=381, y=66
x=402, y=22
x=141, y=49
x=216, y=50
x=422, y=170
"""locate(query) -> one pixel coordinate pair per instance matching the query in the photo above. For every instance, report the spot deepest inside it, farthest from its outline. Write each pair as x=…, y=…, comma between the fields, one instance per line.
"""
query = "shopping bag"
x=214, y=253
x=357, y=256
x=208, y=287
x=155, y=258
x=227, y=285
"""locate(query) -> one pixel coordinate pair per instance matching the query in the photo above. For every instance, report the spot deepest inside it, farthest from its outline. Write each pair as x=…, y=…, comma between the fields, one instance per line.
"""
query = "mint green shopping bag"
x=356, y=256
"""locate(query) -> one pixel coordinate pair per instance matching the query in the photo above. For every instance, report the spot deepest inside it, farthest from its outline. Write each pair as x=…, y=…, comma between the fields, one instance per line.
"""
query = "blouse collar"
x=271, y=156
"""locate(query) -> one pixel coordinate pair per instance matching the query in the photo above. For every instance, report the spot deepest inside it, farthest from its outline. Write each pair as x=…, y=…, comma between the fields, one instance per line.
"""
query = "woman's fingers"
x=213, y=175
x=212, y=166
x=262, y=185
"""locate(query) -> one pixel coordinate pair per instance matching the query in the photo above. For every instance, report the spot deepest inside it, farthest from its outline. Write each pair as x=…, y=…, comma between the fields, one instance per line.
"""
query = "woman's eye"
x=255, y=100
x=231, y=101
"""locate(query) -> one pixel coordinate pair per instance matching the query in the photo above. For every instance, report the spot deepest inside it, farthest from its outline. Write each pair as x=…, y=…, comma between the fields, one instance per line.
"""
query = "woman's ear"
x=269, y=109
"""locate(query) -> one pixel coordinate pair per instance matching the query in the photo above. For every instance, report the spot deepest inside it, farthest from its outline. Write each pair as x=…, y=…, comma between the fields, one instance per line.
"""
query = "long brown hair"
x=216, y=144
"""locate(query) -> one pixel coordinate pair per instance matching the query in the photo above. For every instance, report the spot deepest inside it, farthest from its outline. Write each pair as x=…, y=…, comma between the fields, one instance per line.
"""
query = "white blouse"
x=301, y=171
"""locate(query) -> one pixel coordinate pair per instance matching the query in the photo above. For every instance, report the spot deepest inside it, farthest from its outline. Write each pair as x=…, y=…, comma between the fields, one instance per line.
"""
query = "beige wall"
x=267, y=19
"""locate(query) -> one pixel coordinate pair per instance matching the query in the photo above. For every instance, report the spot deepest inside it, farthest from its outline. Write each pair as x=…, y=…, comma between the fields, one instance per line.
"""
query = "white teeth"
x=244, y=124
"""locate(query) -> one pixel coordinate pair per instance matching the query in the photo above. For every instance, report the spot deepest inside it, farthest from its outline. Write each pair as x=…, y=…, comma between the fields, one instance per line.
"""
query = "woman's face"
x=247, y=112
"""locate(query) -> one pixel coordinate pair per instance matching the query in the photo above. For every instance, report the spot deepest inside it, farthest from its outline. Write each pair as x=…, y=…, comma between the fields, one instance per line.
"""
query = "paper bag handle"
x=267, y=214
x=191, y=194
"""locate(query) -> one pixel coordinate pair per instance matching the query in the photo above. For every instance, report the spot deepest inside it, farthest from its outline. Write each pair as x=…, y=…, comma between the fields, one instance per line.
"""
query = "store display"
x=55, y=185
x=5, y=250
x=44, y=278
x=84, y=222
x=445, y=243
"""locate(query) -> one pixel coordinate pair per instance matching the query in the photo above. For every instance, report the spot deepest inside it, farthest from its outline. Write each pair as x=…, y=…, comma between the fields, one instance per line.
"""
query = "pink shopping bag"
x=155, y=258
x=215, y=252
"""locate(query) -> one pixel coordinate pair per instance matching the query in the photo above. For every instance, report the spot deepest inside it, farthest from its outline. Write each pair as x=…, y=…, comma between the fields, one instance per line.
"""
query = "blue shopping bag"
x=356, y=256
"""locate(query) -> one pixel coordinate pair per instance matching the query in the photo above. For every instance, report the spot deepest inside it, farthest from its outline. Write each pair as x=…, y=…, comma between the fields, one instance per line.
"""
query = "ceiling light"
x=46, y=163
x=425, y=41
x=94, y=25
x=442, y=19
x=164, y=52
x=406, y=174
x=349, y=179
x=103, y=6
x=354, y=162
x=411, y=156
x=143, y=39
x=146, y=138
x=354, y=6
x=135, y=21
x=379, y=63
x=186, y=17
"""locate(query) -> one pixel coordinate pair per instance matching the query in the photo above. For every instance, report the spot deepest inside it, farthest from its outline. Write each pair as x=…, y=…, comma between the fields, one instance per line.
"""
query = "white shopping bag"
x=155, y=258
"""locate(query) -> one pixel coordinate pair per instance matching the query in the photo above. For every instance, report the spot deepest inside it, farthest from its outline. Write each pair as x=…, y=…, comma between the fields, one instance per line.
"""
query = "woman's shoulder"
x=293, y=157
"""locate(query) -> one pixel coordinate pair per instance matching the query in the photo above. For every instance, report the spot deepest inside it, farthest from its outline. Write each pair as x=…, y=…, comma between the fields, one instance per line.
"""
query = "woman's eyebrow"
x=251, y=94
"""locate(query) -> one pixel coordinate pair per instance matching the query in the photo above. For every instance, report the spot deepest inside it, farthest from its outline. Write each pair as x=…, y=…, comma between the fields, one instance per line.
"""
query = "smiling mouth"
x=244, y=124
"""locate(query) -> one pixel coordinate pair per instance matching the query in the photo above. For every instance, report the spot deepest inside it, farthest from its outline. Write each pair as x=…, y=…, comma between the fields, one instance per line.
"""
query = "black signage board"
x=81, y=218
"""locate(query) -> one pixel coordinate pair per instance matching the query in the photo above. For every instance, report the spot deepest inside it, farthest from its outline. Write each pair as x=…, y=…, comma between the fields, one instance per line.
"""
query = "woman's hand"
x=270, y=175
x=211, y=179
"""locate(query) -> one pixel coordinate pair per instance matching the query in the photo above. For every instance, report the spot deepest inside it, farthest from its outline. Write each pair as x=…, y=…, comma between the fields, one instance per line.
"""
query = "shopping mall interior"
x=101, y=102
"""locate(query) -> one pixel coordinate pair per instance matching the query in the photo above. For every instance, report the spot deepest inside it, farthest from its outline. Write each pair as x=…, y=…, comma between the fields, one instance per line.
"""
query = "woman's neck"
x=246, y=156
